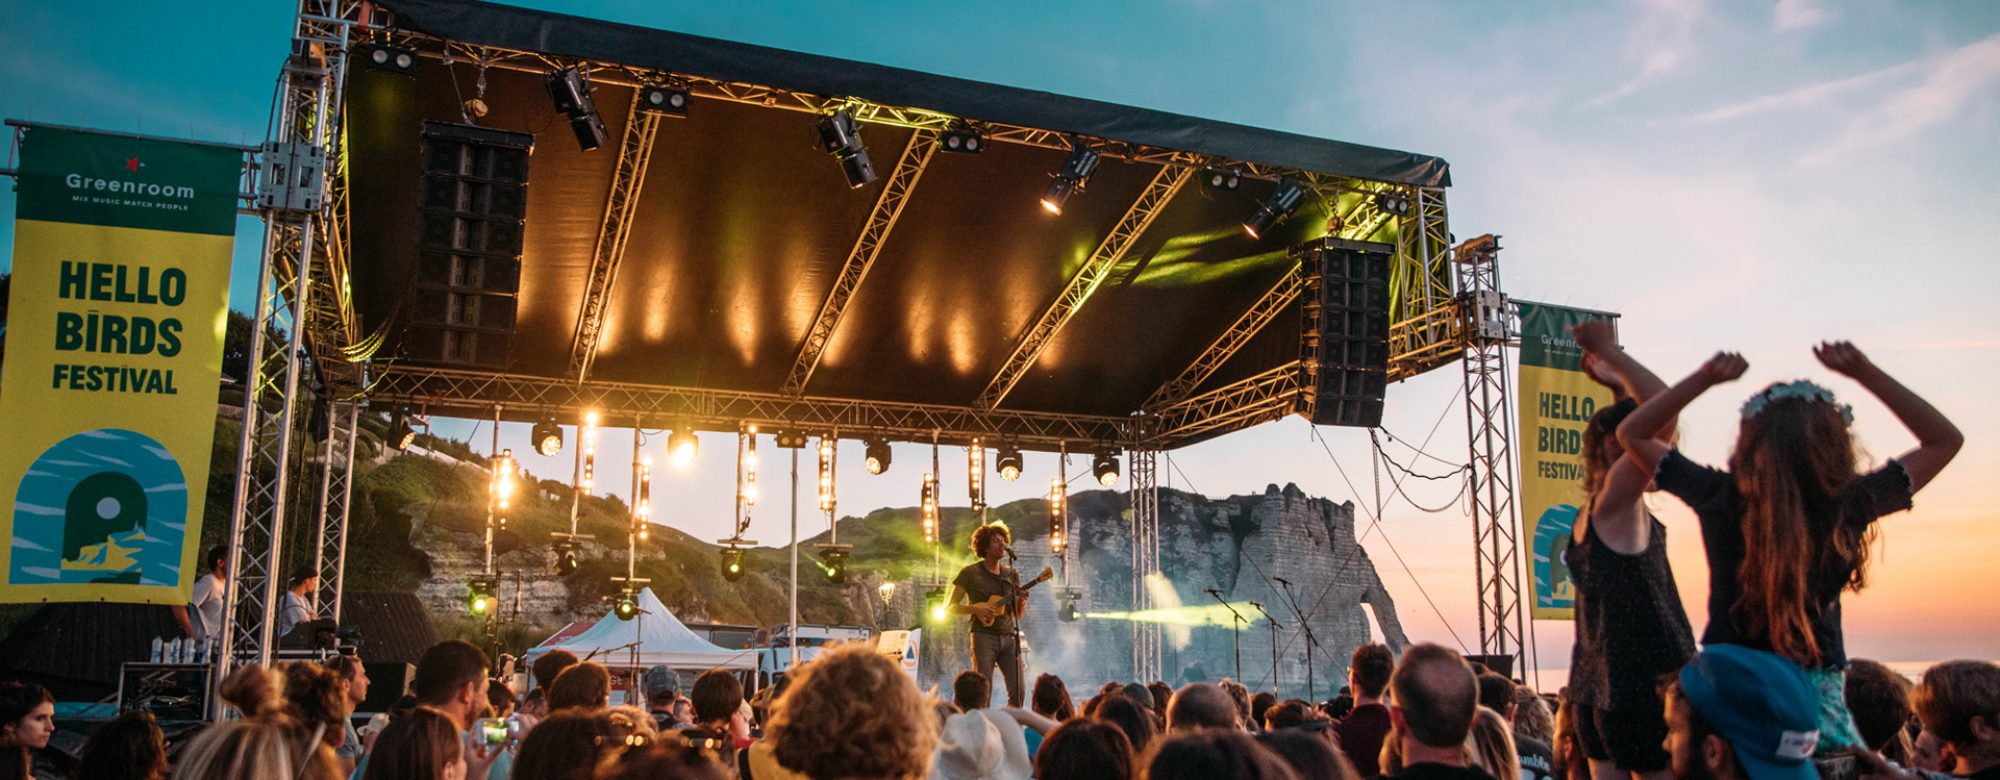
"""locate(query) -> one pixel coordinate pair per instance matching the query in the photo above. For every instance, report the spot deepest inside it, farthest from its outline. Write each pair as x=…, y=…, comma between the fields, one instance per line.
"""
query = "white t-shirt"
x=207, y=607
x=296, y=611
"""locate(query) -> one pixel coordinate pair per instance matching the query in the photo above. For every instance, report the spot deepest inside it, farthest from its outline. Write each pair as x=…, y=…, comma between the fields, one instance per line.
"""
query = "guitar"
x=1007, y=610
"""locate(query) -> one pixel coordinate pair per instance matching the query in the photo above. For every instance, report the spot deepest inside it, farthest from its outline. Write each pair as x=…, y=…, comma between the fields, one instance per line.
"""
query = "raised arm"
x=1938, y=440
x=1613, y=367
x=1637, y=433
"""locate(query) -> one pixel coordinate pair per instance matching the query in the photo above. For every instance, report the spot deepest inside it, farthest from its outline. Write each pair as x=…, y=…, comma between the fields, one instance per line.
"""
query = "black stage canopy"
x=742, y=235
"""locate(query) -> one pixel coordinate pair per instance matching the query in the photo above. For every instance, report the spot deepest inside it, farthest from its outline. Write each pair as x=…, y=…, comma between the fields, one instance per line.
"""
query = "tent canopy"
x=660, y=639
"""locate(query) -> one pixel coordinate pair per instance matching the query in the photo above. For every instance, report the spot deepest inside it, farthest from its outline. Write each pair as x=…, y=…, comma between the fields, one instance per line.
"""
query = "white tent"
x=660, y=638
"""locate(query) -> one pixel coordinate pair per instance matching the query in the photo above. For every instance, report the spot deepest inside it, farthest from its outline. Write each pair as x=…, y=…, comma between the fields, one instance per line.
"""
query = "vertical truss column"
x=635, y=152
x=888, y=208
x=1421, y=306
x=335, y=488
x=1489, y=433
x=1145, y=560
x=291, y=186
x=1158, y=193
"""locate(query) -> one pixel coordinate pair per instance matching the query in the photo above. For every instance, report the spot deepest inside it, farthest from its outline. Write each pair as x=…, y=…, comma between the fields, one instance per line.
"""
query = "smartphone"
x=492, y=731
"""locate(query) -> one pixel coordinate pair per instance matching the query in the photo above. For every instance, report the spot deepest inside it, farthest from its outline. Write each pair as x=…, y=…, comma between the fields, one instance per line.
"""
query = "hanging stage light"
x=1221, y=179
x=839, y=136
x=1394, y=203
x=401, y=433
x=571, y=93
x=826, y=453
x=834, y=560
x=1008, y=462
x=547, y=437
x=670, y=101
x=1104, y=466
x=1075, y=171
x=1068, y=613
x=732, y=563
x=388, y=58
x=1282, y=202
x=878, y=456
x=975, y=474
x=962, y=139
x=929, y=508
x=483, y=594
x=566, y=560
x=505, y=473
x=642, y=514
x=682, y=447
x=626, y=608
x=940, y=611
x=1058, y=516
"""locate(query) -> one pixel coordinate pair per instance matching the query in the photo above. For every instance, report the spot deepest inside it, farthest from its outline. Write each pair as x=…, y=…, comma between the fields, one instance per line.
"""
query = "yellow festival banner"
x=108, y=384
x=1557, y=400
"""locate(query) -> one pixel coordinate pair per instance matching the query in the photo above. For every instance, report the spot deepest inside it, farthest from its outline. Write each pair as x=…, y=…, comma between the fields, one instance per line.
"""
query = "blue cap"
x=1762, y=704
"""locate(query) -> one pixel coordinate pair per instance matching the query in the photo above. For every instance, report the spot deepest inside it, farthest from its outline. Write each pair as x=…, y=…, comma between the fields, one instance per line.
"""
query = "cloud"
x=1949, y=85
x=1799, y=15
x=1661, y=39
x=1808, y=96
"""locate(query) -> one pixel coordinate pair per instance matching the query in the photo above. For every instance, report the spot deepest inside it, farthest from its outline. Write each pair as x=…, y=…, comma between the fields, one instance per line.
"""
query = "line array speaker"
x=473, y=203
x=1344, y=341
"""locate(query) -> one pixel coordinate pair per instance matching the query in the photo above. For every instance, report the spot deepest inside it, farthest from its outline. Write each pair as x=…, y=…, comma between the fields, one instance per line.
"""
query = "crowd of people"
x=1767, y=693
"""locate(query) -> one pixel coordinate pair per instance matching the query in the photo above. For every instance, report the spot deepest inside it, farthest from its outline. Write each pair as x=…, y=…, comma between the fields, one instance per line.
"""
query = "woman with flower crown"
x=1787, y=528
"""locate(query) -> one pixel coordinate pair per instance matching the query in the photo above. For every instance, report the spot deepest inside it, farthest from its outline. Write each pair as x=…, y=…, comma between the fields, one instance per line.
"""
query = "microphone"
x=1257, y=605
x=1212, y=592
x=1281, y=579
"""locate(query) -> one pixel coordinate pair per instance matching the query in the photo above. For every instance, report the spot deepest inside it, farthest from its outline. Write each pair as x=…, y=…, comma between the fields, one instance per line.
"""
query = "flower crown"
x=1801, y=389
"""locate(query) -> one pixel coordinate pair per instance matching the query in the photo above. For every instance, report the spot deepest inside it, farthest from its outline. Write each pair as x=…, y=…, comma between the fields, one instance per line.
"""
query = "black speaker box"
x=473, y=201
x=1344, y=331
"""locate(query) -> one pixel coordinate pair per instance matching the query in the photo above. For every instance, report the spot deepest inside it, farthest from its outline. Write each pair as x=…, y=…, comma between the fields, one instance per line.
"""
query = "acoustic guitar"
x=1007, y=610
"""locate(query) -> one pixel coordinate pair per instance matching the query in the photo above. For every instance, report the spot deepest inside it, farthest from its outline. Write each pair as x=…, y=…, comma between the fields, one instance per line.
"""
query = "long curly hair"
x=1792, y=461
x=852, y=713
x=1599, y=441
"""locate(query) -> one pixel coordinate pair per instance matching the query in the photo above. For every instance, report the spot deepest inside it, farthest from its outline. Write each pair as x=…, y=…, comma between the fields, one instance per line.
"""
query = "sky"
x=1744, y=176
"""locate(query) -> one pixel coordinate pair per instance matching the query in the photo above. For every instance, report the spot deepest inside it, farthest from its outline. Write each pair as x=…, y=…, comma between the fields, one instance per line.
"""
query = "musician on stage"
x=974, y=592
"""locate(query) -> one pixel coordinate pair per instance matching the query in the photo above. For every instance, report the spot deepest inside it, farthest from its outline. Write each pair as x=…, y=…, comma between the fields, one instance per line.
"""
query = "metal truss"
x=1145, y=499
x=1423, y=314
x=335, y=483
x=294, y=241
x=722, y=90
x=469, y=393
x=882, y=219
x=1158, y=193
x=1225, y=347
x=634, y=153
x=1489, y=433
x=1256, y=399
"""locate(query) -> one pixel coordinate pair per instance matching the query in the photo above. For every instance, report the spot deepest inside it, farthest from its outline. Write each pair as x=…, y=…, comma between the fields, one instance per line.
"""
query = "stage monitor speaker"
x=387, y=682
x=1344, y=331
x=1502, y=665
x=472, y=210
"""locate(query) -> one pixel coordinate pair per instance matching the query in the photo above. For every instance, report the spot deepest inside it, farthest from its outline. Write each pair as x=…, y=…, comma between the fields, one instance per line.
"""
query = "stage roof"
x=743, y=234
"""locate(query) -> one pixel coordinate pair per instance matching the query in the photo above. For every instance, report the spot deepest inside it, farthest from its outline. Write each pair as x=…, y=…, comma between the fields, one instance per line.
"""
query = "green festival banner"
x=1557, y=400
x=113, y=353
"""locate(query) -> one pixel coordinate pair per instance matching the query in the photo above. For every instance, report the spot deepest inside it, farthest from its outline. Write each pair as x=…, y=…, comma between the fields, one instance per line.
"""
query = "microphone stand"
x=1013, y=604
x=1235, y=629
x=1292, y=599
x=1274, y=644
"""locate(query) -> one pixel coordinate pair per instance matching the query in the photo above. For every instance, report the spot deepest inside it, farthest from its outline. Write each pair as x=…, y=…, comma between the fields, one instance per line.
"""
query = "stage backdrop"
x=114, y=346
x=1557, y=400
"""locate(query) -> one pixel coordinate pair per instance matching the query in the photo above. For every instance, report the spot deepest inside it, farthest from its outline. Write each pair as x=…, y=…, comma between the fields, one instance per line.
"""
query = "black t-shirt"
x=1440, y=772
x=1538, y=762
x=1630, y=626
x=1713, y=496
x=1361, y=734
x=980, y=585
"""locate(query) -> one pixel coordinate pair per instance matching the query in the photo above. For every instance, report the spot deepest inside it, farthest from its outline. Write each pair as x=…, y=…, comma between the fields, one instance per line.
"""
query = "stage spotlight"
x=878, y=456
x=626, y=608
x=940, y=611
x=482, y=596
x=839, y=136
x=835, y=562
x=571, y=93
x=566, y=562
x=1105, y=467
x=401, y=434
x=963, y=140
x=1282, y=202
x=388, y=58
x=732, y=563
x=1068, y=612
x=547, y=436
x=1395, y=204
x=1221, y=179
x=789, y=438
x=1075, y=171
x=1008, y=462
x=682, y=447
x=671, y=101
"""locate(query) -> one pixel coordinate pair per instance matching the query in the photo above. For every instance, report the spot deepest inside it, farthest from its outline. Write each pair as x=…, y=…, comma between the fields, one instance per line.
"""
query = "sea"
x=1553, y=680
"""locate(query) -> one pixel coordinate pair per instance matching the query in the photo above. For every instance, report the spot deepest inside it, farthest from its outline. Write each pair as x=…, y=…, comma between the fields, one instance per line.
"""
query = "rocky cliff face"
x=1238, y=546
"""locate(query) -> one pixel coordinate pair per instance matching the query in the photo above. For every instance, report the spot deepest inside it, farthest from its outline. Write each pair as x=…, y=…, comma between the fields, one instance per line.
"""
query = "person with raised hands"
x=1786, y=529
x=1630, y=626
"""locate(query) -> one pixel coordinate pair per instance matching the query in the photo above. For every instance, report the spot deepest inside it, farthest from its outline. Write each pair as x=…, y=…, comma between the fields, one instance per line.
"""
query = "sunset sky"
x=1746, y=176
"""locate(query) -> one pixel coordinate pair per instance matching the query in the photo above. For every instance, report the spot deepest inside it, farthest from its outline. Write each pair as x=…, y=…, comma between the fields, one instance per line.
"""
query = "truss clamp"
x=291, y=177
x=1486, y=316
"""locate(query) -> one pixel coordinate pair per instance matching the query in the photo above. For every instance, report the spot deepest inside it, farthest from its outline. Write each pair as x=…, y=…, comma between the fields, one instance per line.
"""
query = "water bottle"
x=174, y=651
x=157, y=646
